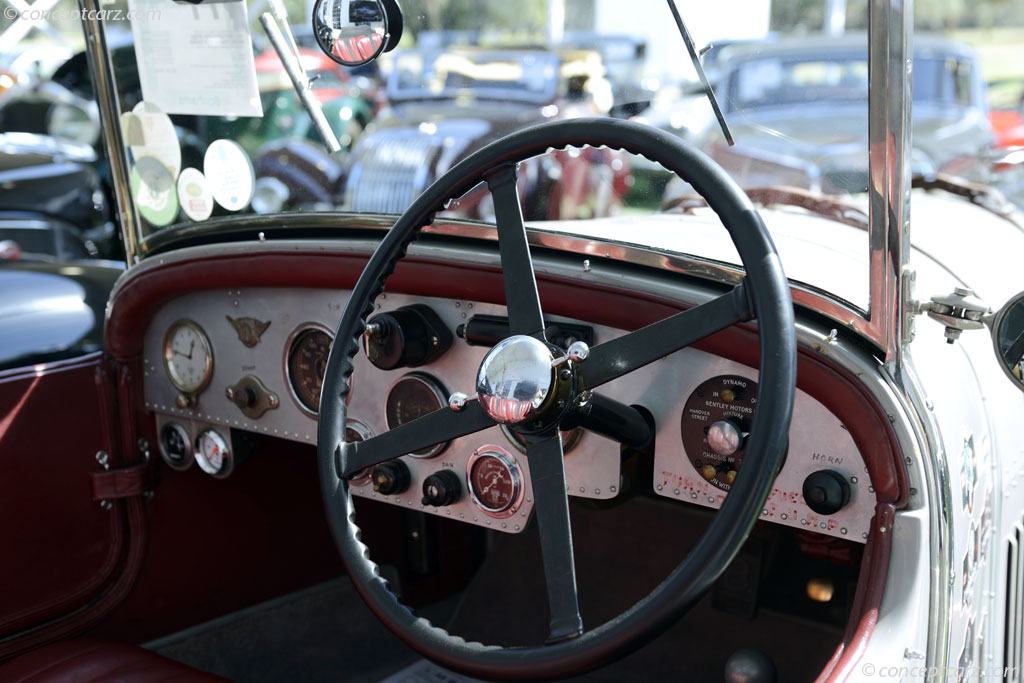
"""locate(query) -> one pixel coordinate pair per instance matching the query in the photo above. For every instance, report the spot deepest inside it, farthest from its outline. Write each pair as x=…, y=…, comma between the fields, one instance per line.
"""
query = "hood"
x=827, y=142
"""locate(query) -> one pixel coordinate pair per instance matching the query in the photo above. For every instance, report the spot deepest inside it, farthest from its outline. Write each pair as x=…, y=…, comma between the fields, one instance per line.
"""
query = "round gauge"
x=569, y=438
x=411, y=397
x=176, y=446
x=188, y=359
x=213, y=453
x=495, y=481
x=356, y=431
x=306, y=364
x=715, y=422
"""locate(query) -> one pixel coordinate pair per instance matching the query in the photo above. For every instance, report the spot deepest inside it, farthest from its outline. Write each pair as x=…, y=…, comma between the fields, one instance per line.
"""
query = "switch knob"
x=826, y=492
x=406, y=337
x=441, y=488
x=390, y=477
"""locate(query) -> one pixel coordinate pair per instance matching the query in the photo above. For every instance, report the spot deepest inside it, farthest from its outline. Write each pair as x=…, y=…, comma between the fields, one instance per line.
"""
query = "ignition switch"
x=408, y=337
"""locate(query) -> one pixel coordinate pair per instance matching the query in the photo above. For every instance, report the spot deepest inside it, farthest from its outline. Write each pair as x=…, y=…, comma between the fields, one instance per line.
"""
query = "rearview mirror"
x=1008, y=338
x=355, y=32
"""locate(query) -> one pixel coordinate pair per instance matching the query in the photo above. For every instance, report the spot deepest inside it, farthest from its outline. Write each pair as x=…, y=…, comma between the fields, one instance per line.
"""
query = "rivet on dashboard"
x=659, y=487
x=597, y=492
x=676, y=492
x=613, y=489
x=783, y=516
x=853, y=480
x=842, y=530
x=764, y=512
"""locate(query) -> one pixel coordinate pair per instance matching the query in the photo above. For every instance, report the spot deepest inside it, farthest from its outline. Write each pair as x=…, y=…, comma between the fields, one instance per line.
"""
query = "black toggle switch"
x=826, y=492
x=390, y=477
x=441, y=488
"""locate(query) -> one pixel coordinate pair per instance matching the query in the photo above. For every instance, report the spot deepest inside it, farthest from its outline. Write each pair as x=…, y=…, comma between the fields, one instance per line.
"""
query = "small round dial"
x=176, y=446
x=188, y=359
x=213, y=453
x=714, y=425
x=357, y=431
x=495, y=481
x=306, y=364
x=412, y=397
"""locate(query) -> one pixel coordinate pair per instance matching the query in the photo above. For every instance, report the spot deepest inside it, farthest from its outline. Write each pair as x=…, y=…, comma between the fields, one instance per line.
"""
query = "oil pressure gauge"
x=214, y=454
x=188, y=360
x=495, y=481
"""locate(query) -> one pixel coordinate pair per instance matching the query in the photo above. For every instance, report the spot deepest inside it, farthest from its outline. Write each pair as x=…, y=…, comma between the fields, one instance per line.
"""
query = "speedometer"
x=306, y=364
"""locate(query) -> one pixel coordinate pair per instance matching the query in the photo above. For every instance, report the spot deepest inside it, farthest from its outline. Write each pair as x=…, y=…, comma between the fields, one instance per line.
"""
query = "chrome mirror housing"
x=1008, y=338
x=355, y=32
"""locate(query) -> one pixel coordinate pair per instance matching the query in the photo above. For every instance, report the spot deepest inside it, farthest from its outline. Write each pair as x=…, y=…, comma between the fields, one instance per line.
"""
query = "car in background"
x=814, y=90
x=445, y=104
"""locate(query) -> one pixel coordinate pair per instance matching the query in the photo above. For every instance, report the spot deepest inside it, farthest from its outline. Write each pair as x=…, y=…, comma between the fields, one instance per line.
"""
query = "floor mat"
x=325, y=633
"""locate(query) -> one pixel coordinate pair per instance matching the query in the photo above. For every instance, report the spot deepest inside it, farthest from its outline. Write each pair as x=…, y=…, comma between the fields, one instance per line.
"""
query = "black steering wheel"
x=529, y=359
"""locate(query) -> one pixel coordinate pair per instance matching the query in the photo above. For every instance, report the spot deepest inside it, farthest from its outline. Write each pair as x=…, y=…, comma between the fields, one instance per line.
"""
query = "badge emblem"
x=249, y=329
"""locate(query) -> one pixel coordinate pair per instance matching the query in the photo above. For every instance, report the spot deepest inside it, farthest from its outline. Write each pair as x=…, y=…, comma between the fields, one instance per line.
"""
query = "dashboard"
x=222, y=365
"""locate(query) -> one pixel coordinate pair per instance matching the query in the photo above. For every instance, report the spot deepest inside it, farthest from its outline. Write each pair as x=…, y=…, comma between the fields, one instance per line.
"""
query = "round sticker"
x=148, y=132
x=194, y=194
x=229, y=174
x=153, y=189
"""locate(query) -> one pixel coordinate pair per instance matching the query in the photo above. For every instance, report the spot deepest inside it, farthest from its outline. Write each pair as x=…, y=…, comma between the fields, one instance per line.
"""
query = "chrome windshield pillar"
x=890, y=58
x=105, y=87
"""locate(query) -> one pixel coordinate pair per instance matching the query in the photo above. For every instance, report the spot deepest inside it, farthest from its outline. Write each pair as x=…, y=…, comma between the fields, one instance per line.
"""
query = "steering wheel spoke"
x=521, y=298
x=629, y=352
x=423, y=432
x=551, y=505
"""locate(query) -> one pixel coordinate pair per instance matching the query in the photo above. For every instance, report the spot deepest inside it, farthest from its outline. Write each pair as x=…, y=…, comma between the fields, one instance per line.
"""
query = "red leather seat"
x=84, y=661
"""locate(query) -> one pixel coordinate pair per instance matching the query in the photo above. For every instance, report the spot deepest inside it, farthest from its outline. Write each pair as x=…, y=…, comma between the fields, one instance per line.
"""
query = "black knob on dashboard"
x=826, y=492
x=390, y=477
x=441, y=488
x=406, y=337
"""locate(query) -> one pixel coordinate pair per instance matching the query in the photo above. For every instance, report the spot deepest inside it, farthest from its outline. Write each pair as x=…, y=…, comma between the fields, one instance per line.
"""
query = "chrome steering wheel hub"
x=516, y=379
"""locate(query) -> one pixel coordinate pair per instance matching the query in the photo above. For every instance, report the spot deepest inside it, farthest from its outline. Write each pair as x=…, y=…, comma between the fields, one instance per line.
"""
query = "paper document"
x=195, y=59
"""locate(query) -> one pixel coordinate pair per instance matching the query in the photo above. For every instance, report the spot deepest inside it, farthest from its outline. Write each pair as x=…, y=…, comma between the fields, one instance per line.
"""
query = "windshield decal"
x=194, y=194
x=229, y=174
x=196, y=59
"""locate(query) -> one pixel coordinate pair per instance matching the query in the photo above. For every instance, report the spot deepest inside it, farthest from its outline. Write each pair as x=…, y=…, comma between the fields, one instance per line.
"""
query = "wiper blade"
x=700, y=71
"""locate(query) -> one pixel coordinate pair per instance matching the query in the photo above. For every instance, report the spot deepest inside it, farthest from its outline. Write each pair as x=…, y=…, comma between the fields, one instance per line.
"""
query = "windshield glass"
x=214, y=129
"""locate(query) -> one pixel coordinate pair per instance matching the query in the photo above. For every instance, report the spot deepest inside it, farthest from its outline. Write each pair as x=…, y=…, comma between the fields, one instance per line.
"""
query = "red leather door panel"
x=60, y=548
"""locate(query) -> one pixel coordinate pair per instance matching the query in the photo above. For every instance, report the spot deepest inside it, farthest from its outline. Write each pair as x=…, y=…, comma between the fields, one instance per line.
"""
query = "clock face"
x=187, y=357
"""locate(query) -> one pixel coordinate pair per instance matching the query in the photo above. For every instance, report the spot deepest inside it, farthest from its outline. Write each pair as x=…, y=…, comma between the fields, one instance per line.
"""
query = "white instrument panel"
x=593, y=466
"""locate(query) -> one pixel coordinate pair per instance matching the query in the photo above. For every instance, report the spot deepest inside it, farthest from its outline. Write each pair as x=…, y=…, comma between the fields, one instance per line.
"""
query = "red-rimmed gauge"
x=714, y=425
x=495, y=481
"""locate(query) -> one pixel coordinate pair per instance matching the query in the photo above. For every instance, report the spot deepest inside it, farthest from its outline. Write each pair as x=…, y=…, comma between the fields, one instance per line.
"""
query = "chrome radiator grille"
x=392, y=170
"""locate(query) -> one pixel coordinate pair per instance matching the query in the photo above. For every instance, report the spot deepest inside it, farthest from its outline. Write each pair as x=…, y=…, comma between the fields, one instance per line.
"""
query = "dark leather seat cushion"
x=84, y=661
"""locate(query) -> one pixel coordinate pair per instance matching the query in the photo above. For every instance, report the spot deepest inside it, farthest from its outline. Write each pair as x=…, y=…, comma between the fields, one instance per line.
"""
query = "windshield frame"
x=890, y=54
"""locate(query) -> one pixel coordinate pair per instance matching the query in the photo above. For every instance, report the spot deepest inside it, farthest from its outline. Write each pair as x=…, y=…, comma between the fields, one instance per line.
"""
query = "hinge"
x=956, y=312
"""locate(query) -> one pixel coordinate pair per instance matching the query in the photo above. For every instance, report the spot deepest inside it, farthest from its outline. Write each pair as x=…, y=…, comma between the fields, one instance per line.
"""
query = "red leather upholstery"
x=84, y=661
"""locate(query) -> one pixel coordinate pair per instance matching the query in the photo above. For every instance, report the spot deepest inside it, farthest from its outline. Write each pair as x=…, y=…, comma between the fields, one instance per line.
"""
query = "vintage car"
x=766, y=438
x=818, y=86
x=447, y=103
